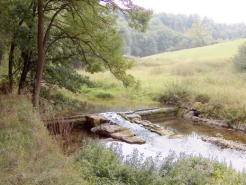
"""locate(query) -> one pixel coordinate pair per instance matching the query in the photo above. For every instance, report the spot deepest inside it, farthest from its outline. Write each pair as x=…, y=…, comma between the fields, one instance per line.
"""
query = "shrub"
x=175, y=93
x=104, y=95
x=203, y=98
x=240, y=59
x=102, y=166
x=235, y=115
x=59, y=103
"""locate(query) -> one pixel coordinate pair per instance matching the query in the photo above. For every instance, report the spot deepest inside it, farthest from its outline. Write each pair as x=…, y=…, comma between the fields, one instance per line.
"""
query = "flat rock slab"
x=107, y=129
x=153, y=127
x=128, y=137
x=134, y=140
x=117, y=132
x=133, y=116
x=95, y=119
x=122, y=134
x=223, y=143
x=176, y=136
x=156, y=111
x=159, y=114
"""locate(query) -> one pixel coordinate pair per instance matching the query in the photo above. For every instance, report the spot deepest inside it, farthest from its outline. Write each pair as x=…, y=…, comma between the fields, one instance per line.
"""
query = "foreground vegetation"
x=30, y=156
x=205, y=78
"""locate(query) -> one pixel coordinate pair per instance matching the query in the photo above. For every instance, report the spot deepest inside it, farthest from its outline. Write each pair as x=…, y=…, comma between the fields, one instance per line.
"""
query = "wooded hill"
x=168, y=32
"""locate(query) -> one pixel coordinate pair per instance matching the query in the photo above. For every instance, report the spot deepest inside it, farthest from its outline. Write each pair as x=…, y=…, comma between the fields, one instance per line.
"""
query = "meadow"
x=203, y=77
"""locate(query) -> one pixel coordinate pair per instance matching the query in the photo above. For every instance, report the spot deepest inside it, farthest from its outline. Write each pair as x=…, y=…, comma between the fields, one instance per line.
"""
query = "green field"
x=217, y=51
x=204, y=74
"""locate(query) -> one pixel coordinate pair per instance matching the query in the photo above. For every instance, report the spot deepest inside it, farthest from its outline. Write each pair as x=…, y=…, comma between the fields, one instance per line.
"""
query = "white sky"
x=221, y=11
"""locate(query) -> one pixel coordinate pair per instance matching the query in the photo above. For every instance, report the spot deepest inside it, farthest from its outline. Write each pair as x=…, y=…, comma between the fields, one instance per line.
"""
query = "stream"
x=191, y=144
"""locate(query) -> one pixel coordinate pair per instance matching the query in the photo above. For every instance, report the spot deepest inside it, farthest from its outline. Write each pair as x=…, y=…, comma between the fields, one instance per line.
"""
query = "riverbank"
x=29, y=155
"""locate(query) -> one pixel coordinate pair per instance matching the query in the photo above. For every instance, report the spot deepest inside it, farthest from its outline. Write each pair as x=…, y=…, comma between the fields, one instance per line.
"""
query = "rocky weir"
x=142, y=130
x=102, y=125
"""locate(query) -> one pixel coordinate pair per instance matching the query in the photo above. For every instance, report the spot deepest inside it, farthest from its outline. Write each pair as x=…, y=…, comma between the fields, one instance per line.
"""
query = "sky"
x=221, y=11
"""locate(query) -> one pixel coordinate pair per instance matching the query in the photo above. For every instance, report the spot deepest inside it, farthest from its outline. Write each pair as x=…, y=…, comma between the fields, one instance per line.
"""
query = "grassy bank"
x=30, y=156
x=203, y=77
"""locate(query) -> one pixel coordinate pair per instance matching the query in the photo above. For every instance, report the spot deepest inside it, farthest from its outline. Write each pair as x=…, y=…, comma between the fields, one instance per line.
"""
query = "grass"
x=28, y=154
x=187, y=75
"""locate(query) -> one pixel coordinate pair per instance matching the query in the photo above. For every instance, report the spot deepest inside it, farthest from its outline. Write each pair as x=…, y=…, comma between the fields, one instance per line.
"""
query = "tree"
x=41, y=54
x=75, y=33
x=199, y=35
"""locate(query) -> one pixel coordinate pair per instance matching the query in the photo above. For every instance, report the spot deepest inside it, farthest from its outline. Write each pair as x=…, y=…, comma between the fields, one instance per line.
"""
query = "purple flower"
x=125, y=3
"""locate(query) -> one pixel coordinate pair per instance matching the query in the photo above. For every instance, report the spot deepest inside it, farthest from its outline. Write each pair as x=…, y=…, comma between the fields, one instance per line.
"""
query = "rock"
x=142, y=122
x=132, y=117
x=157, y=113
x=95, y=119
x=127, y=136
x=108, y=140
x=189, y=115
x=162, y=132
x=122, y=134
x=134, y=140
x=219, y=135
x=107, y=129
x=164, y=111
x=176, y=136
x=117, y=132
x=223, y=143
x=153, y=127
x=123, y=115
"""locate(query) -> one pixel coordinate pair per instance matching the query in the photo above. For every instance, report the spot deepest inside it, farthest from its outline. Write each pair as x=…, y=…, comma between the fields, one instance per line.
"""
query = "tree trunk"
x=26, y=68
x=1, y=57
x=41, y=55
x=11, y=63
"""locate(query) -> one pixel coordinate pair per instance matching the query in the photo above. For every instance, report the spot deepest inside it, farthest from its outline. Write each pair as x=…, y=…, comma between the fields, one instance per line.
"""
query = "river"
x=191, y=144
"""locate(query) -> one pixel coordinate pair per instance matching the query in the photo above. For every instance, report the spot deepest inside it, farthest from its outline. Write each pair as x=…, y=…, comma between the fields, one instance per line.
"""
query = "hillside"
x=223, y=50
x=170, y=32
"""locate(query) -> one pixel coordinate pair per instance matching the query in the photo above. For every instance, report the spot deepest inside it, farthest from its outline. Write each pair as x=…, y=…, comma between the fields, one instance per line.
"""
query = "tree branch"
x=52, y=21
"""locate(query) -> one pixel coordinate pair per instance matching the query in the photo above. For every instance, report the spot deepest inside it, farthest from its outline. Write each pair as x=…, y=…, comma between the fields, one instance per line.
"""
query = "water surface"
x=190, y=144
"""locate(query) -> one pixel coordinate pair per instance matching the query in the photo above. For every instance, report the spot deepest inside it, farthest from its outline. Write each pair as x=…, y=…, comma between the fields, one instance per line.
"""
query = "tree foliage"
x=198, y=35
x=169, y=32
x=77, y=34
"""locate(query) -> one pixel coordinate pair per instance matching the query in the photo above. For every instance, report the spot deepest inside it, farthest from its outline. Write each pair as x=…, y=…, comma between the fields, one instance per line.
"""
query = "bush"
x=104, y=95
x=174, y=93
x=102, y=166
x=203, y=98
x=59, y=103
x=240, y=59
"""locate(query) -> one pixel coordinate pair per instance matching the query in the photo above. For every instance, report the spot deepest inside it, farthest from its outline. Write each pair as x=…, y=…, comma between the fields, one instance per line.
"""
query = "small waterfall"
x=190, y=145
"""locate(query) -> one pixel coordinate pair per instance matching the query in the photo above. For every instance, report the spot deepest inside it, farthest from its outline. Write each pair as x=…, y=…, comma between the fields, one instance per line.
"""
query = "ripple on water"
x=191, y=144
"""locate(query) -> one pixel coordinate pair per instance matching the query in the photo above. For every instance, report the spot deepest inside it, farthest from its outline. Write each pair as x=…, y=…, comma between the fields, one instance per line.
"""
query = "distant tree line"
x=169, y=32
